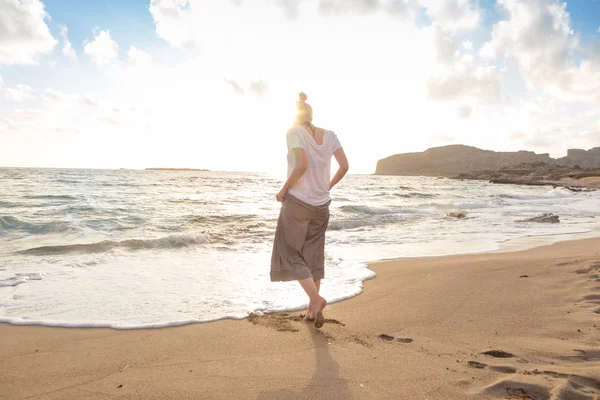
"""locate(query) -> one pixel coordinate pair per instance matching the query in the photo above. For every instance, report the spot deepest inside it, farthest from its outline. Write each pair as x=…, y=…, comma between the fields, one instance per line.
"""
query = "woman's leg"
x=317, y=303
x=314, y=252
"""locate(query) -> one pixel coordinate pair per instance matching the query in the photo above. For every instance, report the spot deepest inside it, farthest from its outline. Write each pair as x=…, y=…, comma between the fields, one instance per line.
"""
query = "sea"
x=131, y=249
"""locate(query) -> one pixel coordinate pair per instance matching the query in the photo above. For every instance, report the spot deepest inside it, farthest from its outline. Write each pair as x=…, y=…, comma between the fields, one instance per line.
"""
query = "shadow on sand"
x=326, y=382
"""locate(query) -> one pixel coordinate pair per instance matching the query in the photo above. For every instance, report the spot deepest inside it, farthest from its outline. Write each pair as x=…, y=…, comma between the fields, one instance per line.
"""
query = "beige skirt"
x=299, y=245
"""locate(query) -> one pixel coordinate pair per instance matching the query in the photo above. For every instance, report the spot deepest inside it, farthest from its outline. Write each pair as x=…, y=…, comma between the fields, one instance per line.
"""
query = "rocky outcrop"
x=450, y=161
x=546, y=218
x=538, y=174
x=457, y=214
x=453, y=160
x=583, y=158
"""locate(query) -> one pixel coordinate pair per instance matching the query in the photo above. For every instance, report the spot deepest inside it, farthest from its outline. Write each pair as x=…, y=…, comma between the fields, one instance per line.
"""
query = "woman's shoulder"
x=328, y=133
x=296, y=129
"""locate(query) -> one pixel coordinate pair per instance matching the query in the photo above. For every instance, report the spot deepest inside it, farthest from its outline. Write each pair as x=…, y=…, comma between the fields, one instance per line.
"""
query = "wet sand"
x=521, y=325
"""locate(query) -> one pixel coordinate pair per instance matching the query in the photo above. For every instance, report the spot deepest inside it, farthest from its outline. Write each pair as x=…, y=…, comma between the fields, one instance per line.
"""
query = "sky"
x=213, y=83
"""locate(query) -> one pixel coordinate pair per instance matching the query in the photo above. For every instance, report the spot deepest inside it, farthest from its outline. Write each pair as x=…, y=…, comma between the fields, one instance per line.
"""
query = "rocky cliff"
x=451, y=161
x=583, y=158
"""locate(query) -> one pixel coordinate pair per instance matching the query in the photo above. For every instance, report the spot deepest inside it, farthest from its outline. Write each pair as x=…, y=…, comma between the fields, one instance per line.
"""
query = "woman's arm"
x=297, y=173
x=341, y=159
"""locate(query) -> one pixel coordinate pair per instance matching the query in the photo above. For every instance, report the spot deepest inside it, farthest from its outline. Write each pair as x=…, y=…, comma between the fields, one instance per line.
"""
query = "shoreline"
x=507, y=246
x=541, y=305
x=575, y=185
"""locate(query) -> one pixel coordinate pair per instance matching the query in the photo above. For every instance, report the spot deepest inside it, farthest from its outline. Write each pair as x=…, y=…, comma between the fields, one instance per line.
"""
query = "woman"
x=299, y=246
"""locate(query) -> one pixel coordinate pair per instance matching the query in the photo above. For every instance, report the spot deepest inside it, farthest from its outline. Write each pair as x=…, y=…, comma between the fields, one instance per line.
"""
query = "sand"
x=420, y=330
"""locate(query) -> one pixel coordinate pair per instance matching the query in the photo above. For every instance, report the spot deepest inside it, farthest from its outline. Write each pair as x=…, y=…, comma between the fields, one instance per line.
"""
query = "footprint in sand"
x=582, y=355
x=595, y=267
x=503, y=369
x=498, y=354
x=389, y=338
x=562, y=264
x=496, y=368
x=334, y=321
x=280, y=322
x=592, y=298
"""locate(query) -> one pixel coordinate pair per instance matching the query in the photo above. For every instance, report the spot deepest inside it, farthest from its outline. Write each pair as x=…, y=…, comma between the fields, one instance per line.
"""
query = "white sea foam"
x=13, y=282
x=20, y=279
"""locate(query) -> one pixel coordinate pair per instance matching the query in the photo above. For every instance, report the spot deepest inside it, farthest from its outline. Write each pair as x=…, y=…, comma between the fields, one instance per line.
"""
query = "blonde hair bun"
x=303, y=97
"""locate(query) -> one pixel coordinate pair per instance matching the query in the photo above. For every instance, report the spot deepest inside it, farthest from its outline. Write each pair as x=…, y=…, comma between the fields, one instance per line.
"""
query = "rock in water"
x=457, y=214
x=547, y=218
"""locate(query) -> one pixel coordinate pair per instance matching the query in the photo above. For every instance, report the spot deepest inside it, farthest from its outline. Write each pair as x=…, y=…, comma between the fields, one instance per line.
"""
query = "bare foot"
x=320, y=318
x=307, y=318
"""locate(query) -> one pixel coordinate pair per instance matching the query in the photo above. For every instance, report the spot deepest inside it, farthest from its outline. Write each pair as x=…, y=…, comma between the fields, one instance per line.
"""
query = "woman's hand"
x=281, y=195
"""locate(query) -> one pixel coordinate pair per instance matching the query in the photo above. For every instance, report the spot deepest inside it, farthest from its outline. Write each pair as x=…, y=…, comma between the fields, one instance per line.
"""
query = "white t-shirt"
x=313, y=187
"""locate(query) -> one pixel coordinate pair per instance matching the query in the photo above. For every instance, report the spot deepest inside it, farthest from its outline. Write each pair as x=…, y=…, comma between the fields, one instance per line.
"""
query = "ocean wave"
x=168, y=242
x=9, y=223
x=469, y=206
x=415, y=195
x=558, y=193
x=361, y=209
x=62, y=180
x=51, y=197
x=344, y=224
x=222, y=219
x=19, y=279
x=8, y=204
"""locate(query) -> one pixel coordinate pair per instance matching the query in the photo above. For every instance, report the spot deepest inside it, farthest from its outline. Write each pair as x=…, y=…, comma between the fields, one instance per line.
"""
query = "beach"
x=420, y=330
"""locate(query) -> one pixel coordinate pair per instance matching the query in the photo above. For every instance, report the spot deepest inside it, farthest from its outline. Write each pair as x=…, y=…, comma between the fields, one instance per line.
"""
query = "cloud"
x=19, y=93
x=337, y=8
x=259, y=88
x=446, y=46
x=404, y=8
x=554, y=128
x=103, y=49
x=464, y=111
x=237, y=88
x=138, y=57
x=24, y=35
x=453, y=14
x=67, y=48
x=10, y=124
x=481, y=83
x=290, y=8
x=538, y=37
x=460, y=73
x=182, y=23
x=173, y=19
x=56, y=95
x=440, y=138
x=345, y=7
x=89, y=100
